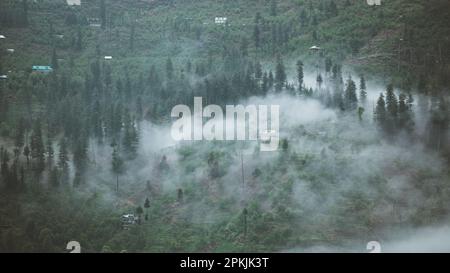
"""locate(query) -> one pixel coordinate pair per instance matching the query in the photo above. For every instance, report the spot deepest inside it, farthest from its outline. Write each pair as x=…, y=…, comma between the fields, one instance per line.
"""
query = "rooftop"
x=73, y=2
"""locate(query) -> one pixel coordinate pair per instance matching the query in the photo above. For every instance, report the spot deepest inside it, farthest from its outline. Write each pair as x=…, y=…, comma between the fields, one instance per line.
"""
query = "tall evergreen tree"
x=380, y=112
x=392, y=110
x=146, y=206
x=50, y=152
x=362, y=90
x=280, y=75
x=300, y=75
x=54, y=60
x=63, y=160
x=391, y=101
x=103, y=13
x=351, y=99
x=37, y=148
x=169, y=68
x=117, y=165
x=273, y=8
x=270, y=80
x=257, y=36
x=80, y=159
x=319, y=80
x=405, y=114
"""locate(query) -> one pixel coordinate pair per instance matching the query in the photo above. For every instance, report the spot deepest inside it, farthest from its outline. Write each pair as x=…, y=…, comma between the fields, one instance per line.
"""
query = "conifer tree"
x=300, y=75
x=380, y=112
x=37, y=148
x=351, y=99
x=63, y=160
x=117, y=165
x=280, y=75
x=362, y=90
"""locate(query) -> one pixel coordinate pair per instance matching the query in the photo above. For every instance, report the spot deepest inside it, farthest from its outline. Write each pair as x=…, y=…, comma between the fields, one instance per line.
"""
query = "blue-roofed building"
x=42, y=68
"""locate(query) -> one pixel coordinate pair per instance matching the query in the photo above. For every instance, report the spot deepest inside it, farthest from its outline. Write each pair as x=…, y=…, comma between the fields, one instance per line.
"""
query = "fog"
x=342, y=159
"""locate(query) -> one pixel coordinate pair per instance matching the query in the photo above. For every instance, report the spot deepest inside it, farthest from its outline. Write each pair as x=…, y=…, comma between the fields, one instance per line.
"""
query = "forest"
x=86, y=153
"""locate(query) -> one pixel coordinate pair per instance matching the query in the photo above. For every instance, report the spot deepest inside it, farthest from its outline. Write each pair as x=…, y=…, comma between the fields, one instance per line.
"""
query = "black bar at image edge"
x=235, y=262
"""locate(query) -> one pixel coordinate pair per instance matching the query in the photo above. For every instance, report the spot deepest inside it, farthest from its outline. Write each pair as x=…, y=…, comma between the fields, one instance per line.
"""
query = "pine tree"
x=392, y=110
x=258, y=71
x=280, y=75
x=328, y=65
x=256, y=36
x=405, y=114
x=146, y=206
x=19, y=135
x=50, y=152
x=362, y=90
x=26, y=153
x=380, y=112
x=54, y=61
x=270, y=79
x=63, y=160
x=391, y=101
x=139, y=212
x=351, y=99
x=80, y=159
x=12, y=181
x=131, y=138
x=300, y=75
x=303, y=18
x=438, y=124
x=169, y=68
x=402, y=110
x=4, y=167
x=103, y=13
x=37, y=148
x=180, y=195
x=265, y=84
x=117, y=165
x=319, y=80
x=273, y=8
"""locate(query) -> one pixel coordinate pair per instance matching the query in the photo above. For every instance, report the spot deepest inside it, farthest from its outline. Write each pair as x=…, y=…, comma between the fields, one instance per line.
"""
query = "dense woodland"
x=74, y=142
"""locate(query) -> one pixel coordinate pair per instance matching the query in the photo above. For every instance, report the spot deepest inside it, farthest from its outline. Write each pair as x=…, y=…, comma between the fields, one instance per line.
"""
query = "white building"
x=73, y=2
x=220, y=20
x=374, y=2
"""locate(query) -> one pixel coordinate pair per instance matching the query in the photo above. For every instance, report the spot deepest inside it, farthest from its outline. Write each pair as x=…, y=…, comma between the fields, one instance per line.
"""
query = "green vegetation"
x=86, y=143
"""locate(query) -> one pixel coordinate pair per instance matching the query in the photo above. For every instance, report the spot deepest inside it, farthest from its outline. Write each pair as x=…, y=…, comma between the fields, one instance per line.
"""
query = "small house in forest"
x=374, y=2
x=42, y=68
x=129, y=220
x=94, y=22
x=10, y=50
x=73, y=2
x=220, y=20
x=2, y=36
x=3, y=77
